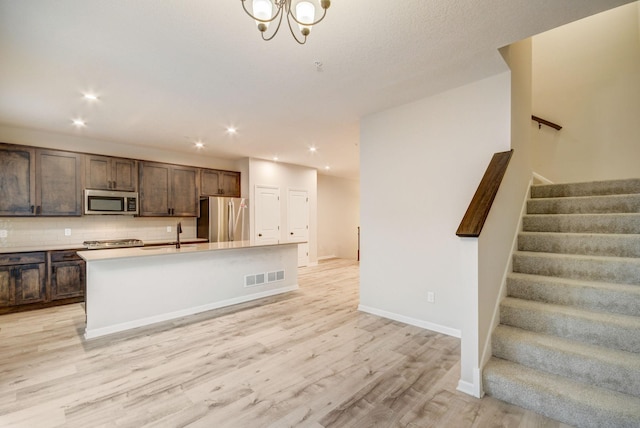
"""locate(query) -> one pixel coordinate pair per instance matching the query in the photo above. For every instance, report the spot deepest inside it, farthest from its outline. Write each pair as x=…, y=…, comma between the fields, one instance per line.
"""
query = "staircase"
x=568, y=343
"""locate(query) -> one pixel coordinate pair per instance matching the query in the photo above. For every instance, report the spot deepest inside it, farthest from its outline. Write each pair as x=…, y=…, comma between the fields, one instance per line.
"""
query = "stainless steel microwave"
x=109, y=202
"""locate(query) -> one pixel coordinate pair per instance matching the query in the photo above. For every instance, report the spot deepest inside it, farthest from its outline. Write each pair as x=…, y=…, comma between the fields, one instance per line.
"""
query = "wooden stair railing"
x=478, y=210
x=545, y=122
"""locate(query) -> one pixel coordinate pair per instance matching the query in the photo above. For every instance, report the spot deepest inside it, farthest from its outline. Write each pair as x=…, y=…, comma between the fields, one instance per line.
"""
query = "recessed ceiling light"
x=79, y=123
x=313, y=149
x=327, y=167
x=199, y=144
x=90, y=96
x=231, y=130
x=275, y=158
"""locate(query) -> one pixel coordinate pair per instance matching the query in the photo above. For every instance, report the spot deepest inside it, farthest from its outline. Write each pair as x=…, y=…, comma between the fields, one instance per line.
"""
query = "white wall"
x=286, y=176
x=586, y=77
x=338, y=217
x=420, y=165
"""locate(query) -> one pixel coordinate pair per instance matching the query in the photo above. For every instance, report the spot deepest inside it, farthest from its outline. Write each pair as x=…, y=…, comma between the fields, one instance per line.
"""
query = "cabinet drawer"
x=21, y=258
x=64, y=256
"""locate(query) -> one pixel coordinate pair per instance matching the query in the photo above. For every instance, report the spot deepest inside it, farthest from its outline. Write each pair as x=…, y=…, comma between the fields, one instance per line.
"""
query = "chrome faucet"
x=178, y=232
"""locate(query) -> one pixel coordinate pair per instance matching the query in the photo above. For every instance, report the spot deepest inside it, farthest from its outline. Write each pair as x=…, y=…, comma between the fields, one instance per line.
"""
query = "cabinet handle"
x=169, y=211
x=33, y=209
x=38, y=209
x=114, y=185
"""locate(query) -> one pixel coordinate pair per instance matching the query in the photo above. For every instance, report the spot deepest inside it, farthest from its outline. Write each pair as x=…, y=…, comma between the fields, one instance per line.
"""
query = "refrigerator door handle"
x=230, y=212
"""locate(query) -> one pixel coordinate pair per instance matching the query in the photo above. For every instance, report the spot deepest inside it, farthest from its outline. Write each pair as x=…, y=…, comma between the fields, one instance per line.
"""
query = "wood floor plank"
x=306, y=358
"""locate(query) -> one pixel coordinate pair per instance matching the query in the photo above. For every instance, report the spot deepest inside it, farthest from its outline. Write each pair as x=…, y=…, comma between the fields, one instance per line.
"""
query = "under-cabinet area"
x=50, y=183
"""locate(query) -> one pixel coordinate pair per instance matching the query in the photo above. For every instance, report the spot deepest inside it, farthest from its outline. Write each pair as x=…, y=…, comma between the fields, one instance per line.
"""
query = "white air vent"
x=262, y=278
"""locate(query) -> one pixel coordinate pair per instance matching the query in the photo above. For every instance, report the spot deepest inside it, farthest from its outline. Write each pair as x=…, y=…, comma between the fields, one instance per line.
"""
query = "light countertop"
x=79, y=247
x=120, y=253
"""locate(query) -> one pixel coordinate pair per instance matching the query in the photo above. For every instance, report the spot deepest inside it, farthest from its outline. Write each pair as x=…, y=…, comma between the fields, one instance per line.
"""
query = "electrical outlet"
x=67, y=232
x=168, y=229
x=3, y=233
x=431, y=297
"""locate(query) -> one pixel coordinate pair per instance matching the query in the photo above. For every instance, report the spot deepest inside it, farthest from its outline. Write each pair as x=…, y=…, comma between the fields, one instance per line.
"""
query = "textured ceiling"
x=170, y=72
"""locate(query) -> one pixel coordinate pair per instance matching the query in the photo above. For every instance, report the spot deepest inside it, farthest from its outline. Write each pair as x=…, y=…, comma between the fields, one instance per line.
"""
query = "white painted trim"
x=97, y=332
x=412, y=321
x=488, y=350
x=327, y=257
x=474, y=389
x=538, y=177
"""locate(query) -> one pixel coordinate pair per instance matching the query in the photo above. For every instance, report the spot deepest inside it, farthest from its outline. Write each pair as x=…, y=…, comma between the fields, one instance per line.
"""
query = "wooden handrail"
x=473, y=220
x=545, y=122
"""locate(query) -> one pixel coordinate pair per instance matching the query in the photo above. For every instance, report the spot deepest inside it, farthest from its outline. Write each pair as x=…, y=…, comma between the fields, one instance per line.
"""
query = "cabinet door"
x=231, y=184
x=124, y=174
x=184, y=201
x=7, y=287
x=98, y=174
x=67, y=279
x=154, y=189
x=58, y=183
x=30, y=283
x=210, y=183
x=17, y=181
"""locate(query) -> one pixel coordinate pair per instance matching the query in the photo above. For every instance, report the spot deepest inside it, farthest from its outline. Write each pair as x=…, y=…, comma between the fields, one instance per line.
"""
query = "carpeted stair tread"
x=582, y=223
x=597, y=244
x=597, y=328
x=622, y=299
x=559, y=398
x=609, y=187
x=585, y=205
x=607, y=368
x=619, y=270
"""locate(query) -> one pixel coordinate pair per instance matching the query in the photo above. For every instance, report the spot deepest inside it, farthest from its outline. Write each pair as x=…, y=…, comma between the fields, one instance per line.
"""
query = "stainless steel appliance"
x=110, y=202
x=112, y=243
x=223, y=219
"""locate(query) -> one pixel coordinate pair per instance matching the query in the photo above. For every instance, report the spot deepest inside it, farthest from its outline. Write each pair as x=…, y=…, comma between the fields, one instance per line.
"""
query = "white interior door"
x=267, y=215
x=298, y=222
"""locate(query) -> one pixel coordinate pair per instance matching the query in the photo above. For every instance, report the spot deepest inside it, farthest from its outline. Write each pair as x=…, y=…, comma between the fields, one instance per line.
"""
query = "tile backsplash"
x=50, y=231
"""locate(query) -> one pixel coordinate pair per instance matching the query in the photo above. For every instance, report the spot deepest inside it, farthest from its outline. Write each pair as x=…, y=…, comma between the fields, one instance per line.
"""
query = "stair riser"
x=587, y=369
x=582, y=223
x=584, y=330
x=585, y=205
x=619, y=271
x=613, y=187
x=593, y=245
x=562, y=408
x=585, y=297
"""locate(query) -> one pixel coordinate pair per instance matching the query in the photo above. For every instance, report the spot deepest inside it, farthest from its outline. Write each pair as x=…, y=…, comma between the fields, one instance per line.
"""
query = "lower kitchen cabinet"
x=23, y=278
x=68, y=275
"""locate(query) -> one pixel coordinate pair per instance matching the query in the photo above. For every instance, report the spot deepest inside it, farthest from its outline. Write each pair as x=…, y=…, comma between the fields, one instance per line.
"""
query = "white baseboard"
x=541, y=179
x=474, y=389
x=327, y=257
x=97, y=332
x=412, y=321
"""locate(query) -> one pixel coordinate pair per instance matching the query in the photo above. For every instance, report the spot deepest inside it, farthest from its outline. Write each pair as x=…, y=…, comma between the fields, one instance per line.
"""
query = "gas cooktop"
x=112, y=243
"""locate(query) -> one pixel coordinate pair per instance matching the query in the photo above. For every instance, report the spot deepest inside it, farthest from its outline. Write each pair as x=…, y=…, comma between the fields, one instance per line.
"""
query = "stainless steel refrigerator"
x=223, y=219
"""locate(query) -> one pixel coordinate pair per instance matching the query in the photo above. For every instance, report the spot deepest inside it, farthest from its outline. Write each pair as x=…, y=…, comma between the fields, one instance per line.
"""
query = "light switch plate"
x=3, y=233
x=67, y=232
x=168, y=229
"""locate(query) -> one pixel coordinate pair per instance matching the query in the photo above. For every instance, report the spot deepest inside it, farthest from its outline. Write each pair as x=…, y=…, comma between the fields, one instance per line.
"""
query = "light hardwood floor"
x=304, y=359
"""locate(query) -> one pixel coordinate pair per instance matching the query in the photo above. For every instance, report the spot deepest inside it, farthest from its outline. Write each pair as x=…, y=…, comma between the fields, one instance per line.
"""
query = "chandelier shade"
x=262, y=12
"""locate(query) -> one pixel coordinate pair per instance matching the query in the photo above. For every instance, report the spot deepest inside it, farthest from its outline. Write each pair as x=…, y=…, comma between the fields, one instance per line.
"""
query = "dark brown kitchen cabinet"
x=39, y=182
x=58, y=183
x=22, y=278
x=219, y=183
x=109, y=173
x=17, y=180
x=68, y=275
x=168, y=190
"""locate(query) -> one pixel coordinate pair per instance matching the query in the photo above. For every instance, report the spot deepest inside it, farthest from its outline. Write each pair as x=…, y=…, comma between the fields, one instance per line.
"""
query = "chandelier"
x=304, y=16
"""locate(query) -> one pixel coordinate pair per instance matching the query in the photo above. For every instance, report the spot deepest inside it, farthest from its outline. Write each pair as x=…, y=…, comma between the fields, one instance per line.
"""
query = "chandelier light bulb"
x=262, y=9
x=305, y=13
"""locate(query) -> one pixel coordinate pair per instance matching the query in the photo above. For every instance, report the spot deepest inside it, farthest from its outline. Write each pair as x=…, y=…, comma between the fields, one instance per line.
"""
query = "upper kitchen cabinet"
x=39, y=182
x=58, y=183
x=219, y=183
x=17, y=180
x=168, y=190
x=109, y=173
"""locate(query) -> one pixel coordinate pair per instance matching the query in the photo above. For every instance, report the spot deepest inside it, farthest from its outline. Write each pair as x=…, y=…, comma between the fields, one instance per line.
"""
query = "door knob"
x=259, y=234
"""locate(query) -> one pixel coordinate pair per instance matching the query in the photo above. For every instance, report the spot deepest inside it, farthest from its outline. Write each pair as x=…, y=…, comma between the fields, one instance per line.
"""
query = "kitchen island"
x=134, y=287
